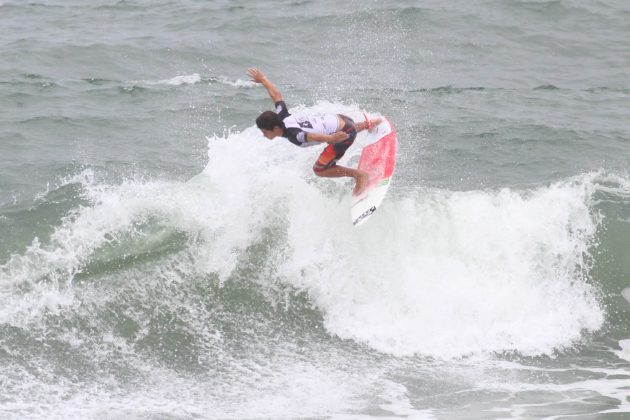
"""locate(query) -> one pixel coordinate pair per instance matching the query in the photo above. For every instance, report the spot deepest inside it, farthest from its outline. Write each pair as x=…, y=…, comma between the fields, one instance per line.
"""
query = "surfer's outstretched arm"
x=259, y=77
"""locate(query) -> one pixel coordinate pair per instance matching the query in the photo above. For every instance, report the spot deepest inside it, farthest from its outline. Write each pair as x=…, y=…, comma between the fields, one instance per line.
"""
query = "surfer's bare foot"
x=361, y=182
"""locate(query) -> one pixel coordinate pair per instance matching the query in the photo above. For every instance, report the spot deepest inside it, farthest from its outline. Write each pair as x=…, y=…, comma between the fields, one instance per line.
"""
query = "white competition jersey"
x=321, y=124
x=297, y=127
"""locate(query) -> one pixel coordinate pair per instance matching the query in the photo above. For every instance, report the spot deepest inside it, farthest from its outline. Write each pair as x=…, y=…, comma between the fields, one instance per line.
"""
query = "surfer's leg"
x=326, y=165
x=336, y=171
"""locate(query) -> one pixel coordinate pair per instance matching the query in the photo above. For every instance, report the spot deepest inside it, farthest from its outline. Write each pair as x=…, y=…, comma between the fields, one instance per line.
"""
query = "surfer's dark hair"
x=268, y=120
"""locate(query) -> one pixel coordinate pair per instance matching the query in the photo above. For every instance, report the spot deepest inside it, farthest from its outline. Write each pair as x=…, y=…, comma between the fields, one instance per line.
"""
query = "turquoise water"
x=159, y=259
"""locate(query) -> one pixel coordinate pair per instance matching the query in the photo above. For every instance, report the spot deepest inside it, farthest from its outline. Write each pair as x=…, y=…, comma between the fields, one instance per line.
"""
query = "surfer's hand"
x=338, y=137
x=256, y=75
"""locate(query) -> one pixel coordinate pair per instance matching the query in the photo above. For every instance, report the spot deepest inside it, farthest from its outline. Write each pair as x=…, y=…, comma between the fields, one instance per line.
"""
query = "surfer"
x=338, y=130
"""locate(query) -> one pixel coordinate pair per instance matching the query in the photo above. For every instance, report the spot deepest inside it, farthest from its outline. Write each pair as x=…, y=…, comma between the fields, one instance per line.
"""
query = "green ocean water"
x=160, y=259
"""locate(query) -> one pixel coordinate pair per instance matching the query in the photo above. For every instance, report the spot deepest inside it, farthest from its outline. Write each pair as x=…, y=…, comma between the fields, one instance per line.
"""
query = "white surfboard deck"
x=378, y=158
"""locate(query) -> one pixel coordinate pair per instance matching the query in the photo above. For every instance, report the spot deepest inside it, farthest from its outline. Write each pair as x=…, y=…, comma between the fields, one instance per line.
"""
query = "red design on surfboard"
x=372, y=162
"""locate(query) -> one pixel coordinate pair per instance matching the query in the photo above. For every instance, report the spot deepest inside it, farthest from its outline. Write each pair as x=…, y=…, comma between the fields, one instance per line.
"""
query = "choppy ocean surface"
x=160, y=259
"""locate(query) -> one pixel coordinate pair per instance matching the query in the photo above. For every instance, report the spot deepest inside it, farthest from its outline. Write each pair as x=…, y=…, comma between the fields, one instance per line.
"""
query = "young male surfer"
x=338, y=130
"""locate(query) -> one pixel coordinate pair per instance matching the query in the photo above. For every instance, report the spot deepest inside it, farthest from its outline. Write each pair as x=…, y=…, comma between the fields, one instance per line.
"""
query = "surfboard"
x=378, y=159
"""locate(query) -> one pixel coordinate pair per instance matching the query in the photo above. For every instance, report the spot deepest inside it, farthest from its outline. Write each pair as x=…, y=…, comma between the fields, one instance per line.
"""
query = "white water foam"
x=439, y=273
x=452, y=273
x=271, y=390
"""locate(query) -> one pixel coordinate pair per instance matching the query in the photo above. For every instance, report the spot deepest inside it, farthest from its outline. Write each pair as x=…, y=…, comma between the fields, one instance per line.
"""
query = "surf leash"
x=368, y=123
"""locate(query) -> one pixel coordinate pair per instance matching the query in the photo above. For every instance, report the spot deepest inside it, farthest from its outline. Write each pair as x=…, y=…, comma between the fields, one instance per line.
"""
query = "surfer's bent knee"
x=318, y=168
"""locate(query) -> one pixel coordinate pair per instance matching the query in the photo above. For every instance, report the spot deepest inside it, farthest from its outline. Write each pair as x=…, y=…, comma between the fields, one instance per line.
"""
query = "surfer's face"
x=272, y=134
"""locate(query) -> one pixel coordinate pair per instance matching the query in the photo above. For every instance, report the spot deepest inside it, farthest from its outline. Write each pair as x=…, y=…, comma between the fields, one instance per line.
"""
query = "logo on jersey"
x=304, y=123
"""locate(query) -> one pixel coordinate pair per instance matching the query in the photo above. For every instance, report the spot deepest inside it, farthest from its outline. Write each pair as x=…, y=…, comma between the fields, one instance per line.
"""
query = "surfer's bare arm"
x=259, y=77
x=337, y=137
